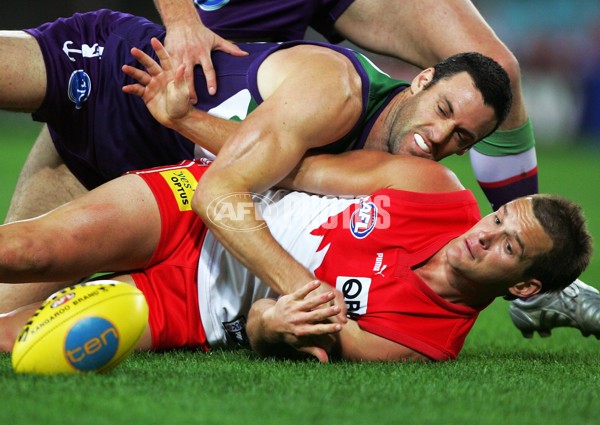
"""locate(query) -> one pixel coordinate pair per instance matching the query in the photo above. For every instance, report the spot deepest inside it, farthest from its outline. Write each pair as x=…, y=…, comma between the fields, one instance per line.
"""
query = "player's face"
x=496, y=252
x=444, y=119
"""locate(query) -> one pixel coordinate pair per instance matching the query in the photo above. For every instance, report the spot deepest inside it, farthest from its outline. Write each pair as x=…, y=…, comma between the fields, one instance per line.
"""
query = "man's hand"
x=162, y=87
x=192, y=46
x=304, y=320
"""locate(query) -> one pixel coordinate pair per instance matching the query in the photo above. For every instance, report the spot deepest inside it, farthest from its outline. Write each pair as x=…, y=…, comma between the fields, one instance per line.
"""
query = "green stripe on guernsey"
x=251, y=107
x=507, y=142
x=381, y=84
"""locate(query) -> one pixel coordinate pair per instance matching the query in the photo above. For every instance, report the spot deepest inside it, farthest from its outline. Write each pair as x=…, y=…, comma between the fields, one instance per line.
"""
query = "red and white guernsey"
x=366, y=247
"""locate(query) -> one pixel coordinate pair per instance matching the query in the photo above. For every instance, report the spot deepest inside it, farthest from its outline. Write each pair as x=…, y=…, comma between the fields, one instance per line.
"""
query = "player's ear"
x=421, y=80
x=526, y=289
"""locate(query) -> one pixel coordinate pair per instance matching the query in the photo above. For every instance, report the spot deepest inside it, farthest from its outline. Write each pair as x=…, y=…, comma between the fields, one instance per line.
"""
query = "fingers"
x=189, y=79
x=135, y=89
x=207, y=65
x=137, y=74
x=319, y=321
x=162, y=54
x=317, y=352
x=304, y=290
x=181, y=78
x=152, y=67
x=229, y=48
x=322, y=299
x=341, y=302
x=209, y=74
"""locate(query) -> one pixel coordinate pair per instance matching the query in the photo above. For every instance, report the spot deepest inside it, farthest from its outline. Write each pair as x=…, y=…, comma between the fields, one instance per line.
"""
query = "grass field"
x=499, y=378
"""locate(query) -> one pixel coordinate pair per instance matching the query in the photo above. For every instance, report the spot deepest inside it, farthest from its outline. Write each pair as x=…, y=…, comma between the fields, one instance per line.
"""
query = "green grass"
x=500, y=377
x=17, y=133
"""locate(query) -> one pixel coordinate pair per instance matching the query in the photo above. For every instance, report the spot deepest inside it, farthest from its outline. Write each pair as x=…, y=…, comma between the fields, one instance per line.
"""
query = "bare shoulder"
x=416, y=174
x=315, y=63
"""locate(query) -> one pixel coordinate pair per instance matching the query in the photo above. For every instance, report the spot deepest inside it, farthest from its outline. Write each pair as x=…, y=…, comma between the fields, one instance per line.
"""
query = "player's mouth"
x=420, y=141
x=468, y=247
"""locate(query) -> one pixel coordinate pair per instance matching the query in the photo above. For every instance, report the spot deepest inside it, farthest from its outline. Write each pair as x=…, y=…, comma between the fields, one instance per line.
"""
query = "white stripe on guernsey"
x=227, y=289
x=165, y=168
x=489, y=169
x=235, y=106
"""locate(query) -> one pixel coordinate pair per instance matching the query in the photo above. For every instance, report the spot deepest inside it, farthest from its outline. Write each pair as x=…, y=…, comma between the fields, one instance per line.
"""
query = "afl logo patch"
x=362, y=221
x=208, y=5
x=80, y=87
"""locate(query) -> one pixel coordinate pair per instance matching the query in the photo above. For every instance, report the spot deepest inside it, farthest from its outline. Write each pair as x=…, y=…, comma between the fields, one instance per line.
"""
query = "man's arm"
x=190, y=42
x=298, y=324
x=304, y=107
x=363, y=172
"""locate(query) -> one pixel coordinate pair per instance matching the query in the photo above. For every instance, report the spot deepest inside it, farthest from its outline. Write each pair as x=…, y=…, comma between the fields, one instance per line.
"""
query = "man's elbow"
x=199, y=203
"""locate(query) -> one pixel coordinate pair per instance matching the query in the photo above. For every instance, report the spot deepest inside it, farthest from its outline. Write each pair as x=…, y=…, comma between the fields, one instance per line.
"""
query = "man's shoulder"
x=418, y=174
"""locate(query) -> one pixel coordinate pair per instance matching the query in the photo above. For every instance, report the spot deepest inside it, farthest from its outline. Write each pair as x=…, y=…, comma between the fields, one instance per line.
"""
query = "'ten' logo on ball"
x=91, y=343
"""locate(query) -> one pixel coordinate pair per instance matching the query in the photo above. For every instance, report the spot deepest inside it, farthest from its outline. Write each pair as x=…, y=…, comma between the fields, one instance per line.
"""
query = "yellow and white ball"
x=89, y=327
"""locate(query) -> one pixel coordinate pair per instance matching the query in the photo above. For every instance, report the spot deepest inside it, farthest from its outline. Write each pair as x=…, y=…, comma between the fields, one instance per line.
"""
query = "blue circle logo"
x=80, y=87
x=208, y=5
x=91, y=343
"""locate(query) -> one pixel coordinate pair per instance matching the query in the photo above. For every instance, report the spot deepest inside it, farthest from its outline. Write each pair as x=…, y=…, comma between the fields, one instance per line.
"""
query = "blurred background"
x=557, y=43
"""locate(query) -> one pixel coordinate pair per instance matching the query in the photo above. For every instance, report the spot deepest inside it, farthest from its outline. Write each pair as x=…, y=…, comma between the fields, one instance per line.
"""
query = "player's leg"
x=23, y=72
x=115, y=227
x=577, y=306
x=39, y=187
x=44, y=183
x=11, y=324
x=423, y=32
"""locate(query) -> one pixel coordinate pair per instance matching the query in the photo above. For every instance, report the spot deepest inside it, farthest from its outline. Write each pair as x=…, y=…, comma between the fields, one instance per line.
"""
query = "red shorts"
x=169, y=281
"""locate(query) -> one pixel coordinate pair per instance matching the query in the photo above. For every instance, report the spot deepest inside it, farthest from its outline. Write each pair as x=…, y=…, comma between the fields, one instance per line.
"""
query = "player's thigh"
x=441, y=28
x=44, y=183
x=116, y=227
x=23, y=72
x=423, y=32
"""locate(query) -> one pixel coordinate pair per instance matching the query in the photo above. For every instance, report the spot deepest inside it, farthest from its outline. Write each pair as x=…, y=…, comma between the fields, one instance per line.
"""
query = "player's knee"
x=26, y=252
x=509, y=62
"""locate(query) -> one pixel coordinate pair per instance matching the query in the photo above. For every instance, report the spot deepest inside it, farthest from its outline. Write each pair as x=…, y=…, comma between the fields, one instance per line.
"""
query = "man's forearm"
x=233, y=221
x=206, y=130
x=261, y=339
